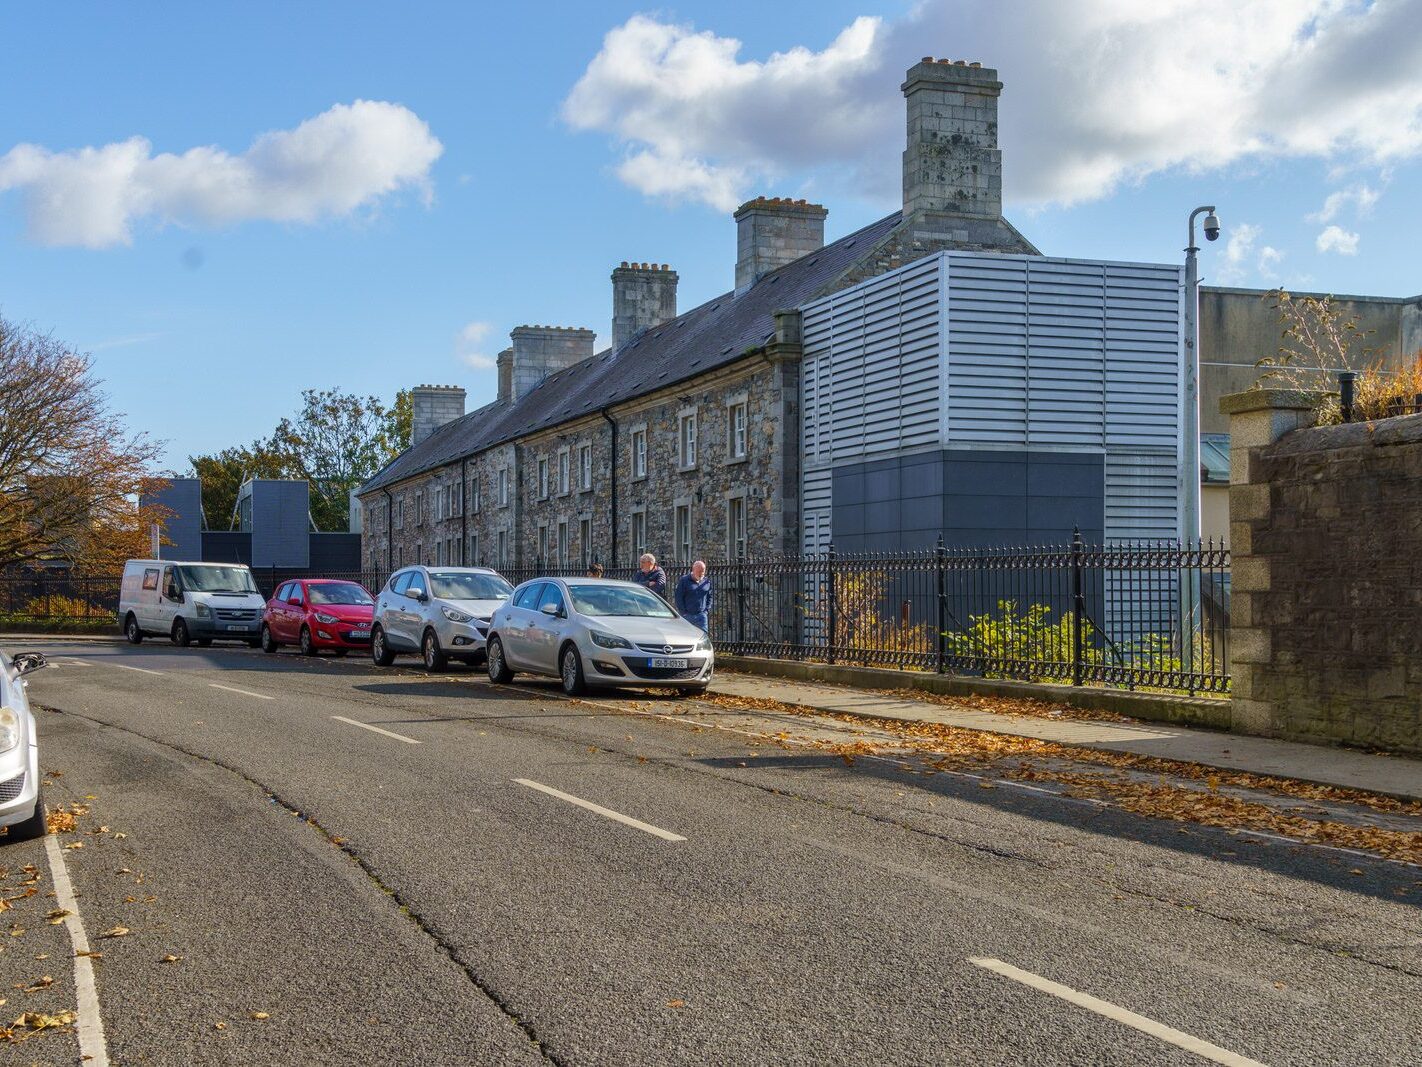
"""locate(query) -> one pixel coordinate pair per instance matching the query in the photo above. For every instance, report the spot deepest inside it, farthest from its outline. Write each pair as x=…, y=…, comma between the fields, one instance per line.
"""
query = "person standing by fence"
x=694, y=596
x=652, y=576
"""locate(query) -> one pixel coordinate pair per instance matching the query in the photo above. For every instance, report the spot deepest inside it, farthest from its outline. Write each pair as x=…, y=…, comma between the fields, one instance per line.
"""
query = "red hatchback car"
x=317, y=613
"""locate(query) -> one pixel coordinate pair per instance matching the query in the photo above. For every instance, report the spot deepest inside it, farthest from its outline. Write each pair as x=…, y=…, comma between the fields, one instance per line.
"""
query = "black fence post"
x=940, y=555
x=741, y=602
x=1078, y=605
x=830, y=606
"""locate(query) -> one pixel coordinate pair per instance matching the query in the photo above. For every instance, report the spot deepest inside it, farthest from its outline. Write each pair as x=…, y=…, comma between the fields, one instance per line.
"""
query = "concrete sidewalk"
x=1349, y=768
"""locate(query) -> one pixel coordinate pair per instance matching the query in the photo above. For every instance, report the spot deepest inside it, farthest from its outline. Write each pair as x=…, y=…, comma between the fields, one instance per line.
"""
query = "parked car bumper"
x=238, y=630
x=341, y=635
x=19, y=782
x=462, y=639
x=633, y=669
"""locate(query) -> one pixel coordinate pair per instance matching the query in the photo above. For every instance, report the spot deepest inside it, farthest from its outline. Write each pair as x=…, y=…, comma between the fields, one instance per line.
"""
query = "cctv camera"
x=1212, y=227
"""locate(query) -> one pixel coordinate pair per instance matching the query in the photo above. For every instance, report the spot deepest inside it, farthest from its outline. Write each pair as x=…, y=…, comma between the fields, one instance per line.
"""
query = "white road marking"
x=626, y=820
x=244, y=692
x=1168, y=1034
x=89, y=1024
x=140, y=670
x=377, y=730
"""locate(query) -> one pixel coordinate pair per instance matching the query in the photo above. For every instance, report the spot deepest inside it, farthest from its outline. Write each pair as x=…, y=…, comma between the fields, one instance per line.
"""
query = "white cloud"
x=1245, y=258
x=468, y=345
x=1337, y=239
x=1362, y=196
x=1096, y=93
x=343, y=159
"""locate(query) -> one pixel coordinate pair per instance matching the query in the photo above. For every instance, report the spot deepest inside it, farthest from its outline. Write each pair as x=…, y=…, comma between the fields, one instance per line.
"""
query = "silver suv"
x=440, y=612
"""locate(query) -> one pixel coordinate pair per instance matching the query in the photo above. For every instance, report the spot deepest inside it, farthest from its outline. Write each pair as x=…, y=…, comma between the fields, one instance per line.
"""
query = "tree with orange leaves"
x=70, y=471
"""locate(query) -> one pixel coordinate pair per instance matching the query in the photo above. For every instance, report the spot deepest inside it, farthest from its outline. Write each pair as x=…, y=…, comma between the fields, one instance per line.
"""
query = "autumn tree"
x=70, y=471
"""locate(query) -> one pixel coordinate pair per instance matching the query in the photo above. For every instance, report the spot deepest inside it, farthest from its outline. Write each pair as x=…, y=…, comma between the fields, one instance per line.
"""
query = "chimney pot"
x=952, y=163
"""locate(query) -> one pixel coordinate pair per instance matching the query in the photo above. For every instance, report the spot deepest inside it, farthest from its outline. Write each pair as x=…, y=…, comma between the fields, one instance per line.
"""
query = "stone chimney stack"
x=771, y=232
x=952, y=163
x=643, y=296
x=539, y=351
x=431, y=407
x=505, y=364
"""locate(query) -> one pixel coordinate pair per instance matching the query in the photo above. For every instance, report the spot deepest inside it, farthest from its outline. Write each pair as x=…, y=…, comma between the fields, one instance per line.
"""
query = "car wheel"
x=268, y=641
x=498, y=668
x=380, y=653
x=308, y=646
x=574, y=684
x=34, y=826
x=132, y=630
x=435, y=659
x=181, y=637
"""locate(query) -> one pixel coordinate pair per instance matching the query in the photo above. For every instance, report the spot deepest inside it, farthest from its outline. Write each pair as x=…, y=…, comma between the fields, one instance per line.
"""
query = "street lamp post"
x=1190, y=432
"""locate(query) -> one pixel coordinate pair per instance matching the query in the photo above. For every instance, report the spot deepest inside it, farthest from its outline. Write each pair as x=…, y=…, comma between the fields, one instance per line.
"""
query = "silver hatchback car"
x=597, y=632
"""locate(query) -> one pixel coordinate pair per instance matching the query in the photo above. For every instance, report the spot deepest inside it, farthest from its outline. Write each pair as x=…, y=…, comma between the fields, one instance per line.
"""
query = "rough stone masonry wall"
x=1326, y=531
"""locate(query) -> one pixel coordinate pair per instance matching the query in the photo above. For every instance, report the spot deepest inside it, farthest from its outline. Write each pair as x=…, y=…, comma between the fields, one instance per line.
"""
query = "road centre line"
x=377, y=730
x=608, y=813
x=140, y=670
x=244, y=692
x=1115, y=1013
x=88, y=1024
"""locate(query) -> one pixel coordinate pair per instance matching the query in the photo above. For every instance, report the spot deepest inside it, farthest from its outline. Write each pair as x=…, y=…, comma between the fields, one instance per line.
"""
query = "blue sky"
x=520, y=153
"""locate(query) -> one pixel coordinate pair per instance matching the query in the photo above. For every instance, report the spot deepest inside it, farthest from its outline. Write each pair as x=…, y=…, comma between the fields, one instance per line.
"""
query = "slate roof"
x=710, y=336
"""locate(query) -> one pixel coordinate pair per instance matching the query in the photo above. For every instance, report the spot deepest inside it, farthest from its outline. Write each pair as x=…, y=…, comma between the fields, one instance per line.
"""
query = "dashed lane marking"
x=89, y=1024
x=1116, y=1013
x=140, y=670
x=377, y=730
x=244, y=692
x=607, y=813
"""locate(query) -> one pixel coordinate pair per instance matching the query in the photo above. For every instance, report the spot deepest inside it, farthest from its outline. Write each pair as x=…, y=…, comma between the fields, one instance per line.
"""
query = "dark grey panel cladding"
x=181, y=498
x=281, y=524
x=335, y=552
x=973, y=497
x=226, y=546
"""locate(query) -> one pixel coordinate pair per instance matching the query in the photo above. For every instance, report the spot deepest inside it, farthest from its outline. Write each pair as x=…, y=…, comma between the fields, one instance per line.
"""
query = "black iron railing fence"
x=1151, y=615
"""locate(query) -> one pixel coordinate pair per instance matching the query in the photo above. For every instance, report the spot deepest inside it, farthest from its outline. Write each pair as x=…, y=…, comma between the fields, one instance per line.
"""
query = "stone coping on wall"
x=1209, y=712
x=1271, y=400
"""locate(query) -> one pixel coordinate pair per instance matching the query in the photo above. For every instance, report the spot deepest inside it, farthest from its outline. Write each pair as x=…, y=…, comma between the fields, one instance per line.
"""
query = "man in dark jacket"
x=694, y=597
x=652, y=576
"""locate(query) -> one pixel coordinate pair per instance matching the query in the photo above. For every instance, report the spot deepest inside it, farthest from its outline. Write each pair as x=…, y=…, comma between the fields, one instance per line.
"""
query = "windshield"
x=620, y=600
x=217, y=579
x=338, y=593
x=469, y=587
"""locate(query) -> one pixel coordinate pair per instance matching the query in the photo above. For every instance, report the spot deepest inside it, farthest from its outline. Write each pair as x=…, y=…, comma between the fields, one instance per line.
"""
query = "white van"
x=189, y=602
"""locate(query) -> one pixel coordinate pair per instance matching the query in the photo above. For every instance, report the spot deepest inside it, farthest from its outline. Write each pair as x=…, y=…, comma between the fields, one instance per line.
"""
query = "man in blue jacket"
x=651, y=576
x=694, y=597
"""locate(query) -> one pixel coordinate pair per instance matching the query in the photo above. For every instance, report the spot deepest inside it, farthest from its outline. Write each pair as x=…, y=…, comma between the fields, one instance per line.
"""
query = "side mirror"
x=551, y=609
x=421, y=596
x=26, y=662
x=294, y=601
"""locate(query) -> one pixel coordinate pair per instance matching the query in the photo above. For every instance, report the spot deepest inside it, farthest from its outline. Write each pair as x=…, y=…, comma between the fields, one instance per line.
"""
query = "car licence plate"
x=669, y=664
x=235, y=626
x=359, y=635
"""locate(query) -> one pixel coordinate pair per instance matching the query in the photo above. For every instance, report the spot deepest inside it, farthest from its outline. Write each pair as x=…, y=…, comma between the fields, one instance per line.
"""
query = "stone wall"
x=1326, y=531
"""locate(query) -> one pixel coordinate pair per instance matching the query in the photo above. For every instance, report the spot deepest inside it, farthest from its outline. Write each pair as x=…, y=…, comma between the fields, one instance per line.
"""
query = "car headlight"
x=608, y=640
x=202, y=610
x=455, y=616
x=329, y=620
x=9, y=729
x=704, y=645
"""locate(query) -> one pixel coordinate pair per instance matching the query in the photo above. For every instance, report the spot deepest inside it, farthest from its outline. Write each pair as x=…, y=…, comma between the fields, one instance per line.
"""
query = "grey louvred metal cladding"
x=985, y=350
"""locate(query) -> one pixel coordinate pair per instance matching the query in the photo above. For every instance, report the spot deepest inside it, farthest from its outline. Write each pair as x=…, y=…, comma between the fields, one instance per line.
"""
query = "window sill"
x=687, y=470
x=735, y=461
x=637, y=478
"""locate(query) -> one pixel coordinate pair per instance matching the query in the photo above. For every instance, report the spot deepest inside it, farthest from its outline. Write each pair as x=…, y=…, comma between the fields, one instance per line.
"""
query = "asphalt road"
x=437, y=890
